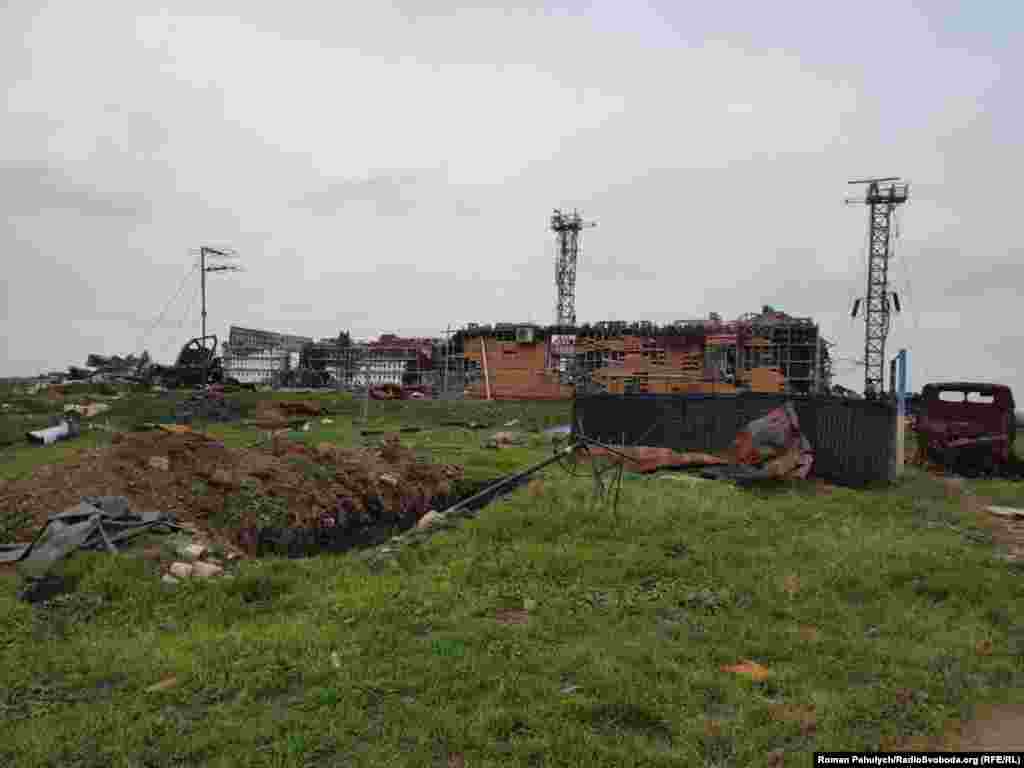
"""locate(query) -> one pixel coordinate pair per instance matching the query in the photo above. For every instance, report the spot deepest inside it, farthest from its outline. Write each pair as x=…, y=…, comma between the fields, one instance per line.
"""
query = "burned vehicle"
x=197, y=361
x=968, y=427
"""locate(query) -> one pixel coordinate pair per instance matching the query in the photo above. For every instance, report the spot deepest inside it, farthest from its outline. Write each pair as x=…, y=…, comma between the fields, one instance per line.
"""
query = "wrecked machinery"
x=967, y=426
x=197, y=364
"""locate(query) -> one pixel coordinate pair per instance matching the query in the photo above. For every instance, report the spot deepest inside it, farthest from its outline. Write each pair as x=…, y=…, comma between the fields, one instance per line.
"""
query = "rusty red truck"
x=968, y=427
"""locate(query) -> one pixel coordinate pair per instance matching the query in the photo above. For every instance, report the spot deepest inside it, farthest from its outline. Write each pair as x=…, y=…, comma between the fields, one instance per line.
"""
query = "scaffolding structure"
x=767, y=351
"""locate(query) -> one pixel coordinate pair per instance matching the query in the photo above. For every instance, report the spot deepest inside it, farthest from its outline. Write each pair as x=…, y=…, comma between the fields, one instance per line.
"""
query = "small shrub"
x=249, y=505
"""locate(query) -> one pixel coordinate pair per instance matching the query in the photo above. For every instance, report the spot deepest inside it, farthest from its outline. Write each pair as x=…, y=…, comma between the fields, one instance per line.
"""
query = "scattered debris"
x=65, y=429
x=177, y=429
x=503, y=439
x=326, y=421
x=430, y=519
x=645, y=459
x=791, y=584
x=386, y=392
x=808, y=633
x=804, y=715
x=168, y=579
x=203, y=570
x=329, y=494
x=512, y=616
x=163, y=685
x=1010, y=512
x=750, y=669
x=96, y=523
x=89, y=410
x=180, y=570
x=512, y=423
x=777, y=439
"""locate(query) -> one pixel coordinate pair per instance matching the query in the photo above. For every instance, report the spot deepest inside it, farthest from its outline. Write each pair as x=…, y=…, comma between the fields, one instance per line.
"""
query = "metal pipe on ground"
x=511, y=480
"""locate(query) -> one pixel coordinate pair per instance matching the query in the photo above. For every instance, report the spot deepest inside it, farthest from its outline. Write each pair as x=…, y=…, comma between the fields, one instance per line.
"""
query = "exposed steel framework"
x=567, y=227
x=882, y=197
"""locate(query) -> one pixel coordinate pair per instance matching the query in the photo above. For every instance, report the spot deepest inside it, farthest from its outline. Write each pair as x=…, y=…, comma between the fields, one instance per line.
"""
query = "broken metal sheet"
x=776, y=436
x=1005, y=511
x=645, y=459
x=98, y=523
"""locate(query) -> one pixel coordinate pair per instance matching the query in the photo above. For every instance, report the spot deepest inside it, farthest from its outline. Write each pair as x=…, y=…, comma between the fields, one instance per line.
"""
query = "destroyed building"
x=390, y=359
x=252, y=356
x=768, y=351
x=393, y=359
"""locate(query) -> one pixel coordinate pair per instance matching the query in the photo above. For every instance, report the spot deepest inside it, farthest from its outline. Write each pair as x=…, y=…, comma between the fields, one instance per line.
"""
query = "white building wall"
x=260, y=367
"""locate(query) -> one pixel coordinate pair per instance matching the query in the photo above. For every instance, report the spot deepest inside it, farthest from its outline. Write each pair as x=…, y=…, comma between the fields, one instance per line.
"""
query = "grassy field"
x=548, y=631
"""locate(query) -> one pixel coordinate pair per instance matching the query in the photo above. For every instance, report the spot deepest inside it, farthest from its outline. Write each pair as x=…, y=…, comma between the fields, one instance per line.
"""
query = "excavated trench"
x=311, y=541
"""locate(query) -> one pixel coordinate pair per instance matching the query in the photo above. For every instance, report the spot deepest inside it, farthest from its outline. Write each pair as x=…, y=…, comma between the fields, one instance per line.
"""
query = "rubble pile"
x=233, y=493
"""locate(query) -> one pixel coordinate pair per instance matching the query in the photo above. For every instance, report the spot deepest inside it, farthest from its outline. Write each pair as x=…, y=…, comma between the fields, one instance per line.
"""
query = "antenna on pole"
x=882, y=196
x=209, y=262
x=567, y=227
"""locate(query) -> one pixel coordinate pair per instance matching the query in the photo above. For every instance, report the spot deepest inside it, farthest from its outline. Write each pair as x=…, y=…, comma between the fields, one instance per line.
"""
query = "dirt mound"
x=233, y=493
x=281, y=414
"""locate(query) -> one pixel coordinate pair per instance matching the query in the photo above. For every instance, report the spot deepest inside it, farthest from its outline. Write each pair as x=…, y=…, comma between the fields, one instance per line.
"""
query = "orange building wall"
x=515, y=371
x=518, y=371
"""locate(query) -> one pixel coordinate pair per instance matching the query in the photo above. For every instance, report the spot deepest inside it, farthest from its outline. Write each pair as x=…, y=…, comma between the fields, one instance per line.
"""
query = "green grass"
x=347, y=661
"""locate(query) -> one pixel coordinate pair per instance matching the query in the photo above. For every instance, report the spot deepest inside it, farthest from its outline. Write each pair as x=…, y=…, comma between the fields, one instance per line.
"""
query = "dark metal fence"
x=853, y=440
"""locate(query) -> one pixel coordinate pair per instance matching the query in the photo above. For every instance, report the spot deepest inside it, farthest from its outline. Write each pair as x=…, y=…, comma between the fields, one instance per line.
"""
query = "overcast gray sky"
x=392, y=168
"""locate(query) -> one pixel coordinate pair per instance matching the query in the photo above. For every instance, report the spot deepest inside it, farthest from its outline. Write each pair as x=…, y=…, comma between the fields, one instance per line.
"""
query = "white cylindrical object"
x=52, y=434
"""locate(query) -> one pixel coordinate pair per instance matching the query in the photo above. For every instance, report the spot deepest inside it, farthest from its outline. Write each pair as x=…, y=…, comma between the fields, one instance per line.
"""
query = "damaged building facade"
x=768, y=351
x=389, y=359
x=252, y=356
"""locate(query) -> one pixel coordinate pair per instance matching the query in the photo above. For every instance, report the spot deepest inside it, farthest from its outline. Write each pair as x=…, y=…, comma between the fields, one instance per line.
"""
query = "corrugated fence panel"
x=853, y=440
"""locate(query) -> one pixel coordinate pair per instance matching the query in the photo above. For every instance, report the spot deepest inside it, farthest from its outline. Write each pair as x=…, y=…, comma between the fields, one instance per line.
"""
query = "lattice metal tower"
x=567, y=228
x=882, y=197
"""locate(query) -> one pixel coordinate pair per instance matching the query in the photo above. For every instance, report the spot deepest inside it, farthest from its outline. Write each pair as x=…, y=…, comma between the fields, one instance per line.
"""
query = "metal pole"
x=202, y=264
x=901, y=408
x=496, y=487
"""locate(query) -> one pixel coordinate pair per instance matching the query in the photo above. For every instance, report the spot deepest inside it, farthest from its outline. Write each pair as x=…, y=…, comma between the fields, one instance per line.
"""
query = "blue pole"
x=901, y=393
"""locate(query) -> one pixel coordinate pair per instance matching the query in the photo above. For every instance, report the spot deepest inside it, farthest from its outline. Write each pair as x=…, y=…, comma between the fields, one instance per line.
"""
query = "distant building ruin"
x=768, y=351
x=252, y=356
